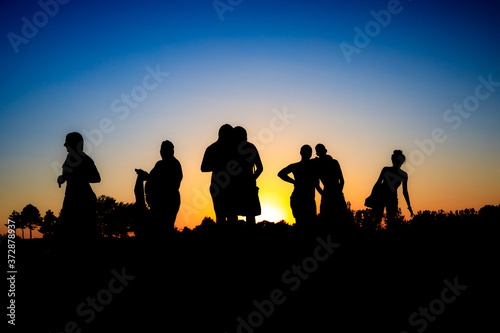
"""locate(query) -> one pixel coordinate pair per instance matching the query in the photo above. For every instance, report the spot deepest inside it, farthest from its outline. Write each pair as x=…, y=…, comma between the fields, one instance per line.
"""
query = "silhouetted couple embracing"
x=235, y=165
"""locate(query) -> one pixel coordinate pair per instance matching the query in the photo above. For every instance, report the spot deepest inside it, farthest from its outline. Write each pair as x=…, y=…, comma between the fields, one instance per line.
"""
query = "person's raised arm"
x=406, y=195
x=283, y=174
x=64, y=175
x=139, y=189
x=142, y=175
x=61, y=180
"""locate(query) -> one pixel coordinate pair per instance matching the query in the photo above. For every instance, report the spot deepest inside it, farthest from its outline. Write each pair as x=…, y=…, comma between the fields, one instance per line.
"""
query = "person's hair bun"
x=398, y=152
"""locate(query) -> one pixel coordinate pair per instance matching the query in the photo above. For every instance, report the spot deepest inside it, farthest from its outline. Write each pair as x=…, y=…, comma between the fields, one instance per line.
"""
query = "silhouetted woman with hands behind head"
x=385, y=192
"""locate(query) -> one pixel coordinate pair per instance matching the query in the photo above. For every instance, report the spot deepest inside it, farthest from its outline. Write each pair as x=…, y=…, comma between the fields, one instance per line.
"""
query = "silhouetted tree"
x=49, y=224
x=119, y=222
x=206, y=225
x=30, y=217
x=114, y=219
x=274, y=227
x=365, y=220
x=105, y=206
x=490, y=212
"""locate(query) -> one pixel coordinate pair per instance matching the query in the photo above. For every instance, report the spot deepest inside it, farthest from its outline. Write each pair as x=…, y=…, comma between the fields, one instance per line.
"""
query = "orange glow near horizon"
x=435, y=184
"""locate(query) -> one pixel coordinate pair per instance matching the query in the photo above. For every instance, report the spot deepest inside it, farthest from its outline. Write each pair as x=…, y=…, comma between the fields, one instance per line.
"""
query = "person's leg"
x=220, y=214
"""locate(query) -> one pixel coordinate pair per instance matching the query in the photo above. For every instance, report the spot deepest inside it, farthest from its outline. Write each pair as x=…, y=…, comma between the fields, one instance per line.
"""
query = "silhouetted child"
x=245, y=180
x=162, y=190
x=385, y=192
x=333, y=205
x=305, y=181
x=220, y=159
x=78, y=216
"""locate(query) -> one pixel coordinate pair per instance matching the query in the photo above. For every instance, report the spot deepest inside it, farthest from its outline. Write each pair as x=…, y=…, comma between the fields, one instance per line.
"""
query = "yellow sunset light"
x=271, y=213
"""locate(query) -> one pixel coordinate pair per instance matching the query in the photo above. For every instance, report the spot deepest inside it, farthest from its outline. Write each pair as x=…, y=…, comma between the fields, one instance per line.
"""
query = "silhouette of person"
x=140, y=210
x=220, y=159
x=302, y=200
x=333, y=205
x=387, y=185
x=245, y=181
x=162, y=189
x=79, y=211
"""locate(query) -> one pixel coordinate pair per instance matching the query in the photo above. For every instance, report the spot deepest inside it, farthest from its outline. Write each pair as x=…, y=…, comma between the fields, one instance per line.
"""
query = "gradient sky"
x=264, y=59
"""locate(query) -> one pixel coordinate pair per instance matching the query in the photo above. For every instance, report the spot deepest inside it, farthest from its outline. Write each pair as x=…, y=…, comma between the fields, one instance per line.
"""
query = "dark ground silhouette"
x=223, y=278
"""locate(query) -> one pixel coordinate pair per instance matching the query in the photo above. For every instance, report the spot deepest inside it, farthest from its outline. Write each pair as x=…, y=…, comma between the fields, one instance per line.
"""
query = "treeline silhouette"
x=118, y=220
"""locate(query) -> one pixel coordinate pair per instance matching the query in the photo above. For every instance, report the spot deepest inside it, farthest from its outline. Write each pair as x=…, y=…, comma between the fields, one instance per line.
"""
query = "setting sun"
x=271, y=213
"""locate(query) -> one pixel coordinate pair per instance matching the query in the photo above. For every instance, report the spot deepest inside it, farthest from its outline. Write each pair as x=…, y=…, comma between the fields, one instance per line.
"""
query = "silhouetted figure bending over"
x=333, y=205
x=162, y=189
x=304, y=180
x=245, y=181
x=385, y=191
x=78, y=216
x=220, y=159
